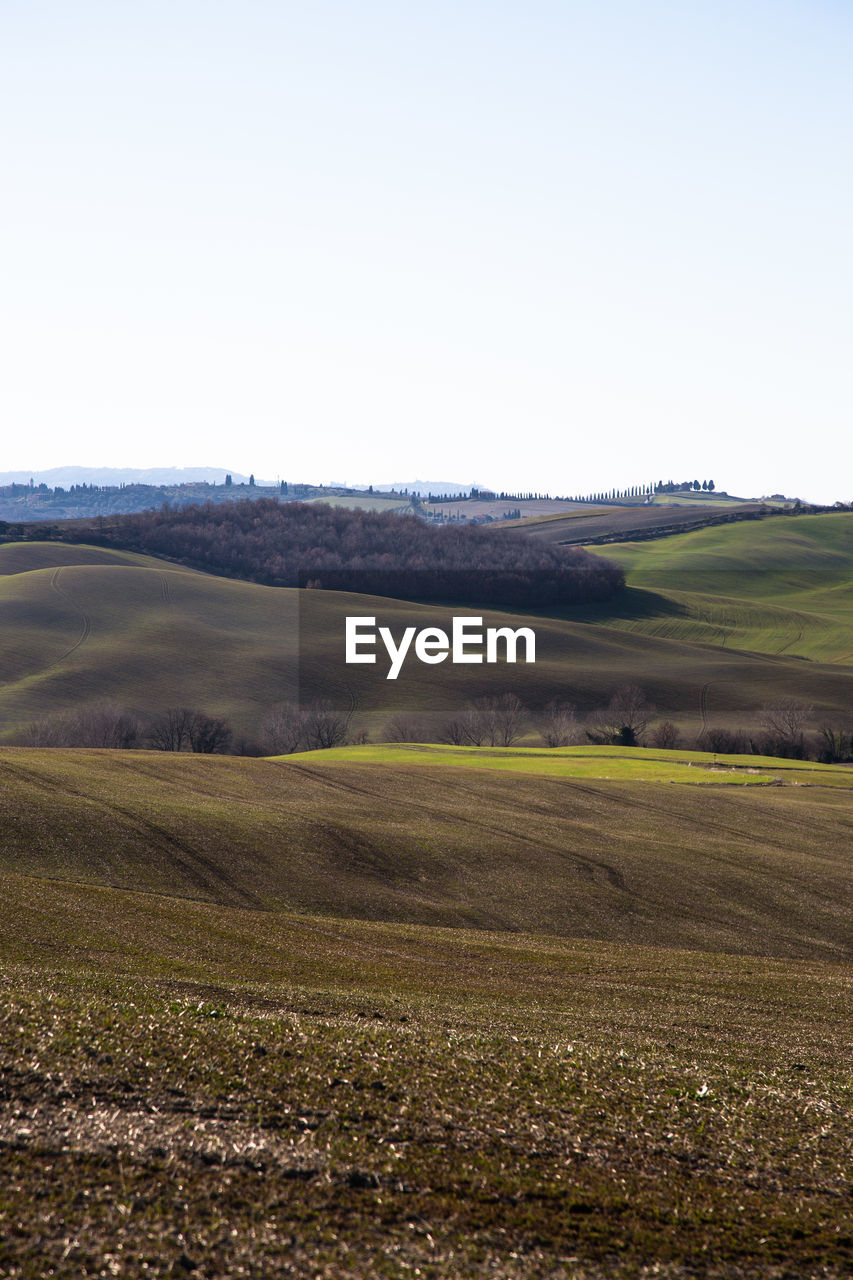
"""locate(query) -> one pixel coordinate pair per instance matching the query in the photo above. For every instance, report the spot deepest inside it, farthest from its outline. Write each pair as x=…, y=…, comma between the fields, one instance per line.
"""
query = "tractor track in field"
x=86, y=620
x=165, y=590
x=703, y=705
x=201, y=870
x=588, y=867
x=631, y=804
x=796, y=640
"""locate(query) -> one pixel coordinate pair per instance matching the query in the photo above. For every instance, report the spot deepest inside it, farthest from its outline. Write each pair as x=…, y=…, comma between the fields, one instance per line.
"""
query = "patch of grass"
x=687, y=768
x=364, y=502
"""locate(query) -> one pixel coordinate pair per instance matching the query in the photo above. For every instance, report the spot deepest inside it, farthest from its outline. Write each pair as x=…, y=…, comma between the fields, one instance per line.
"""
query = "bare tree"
x=723, y=741
x=100, y=725
x=624, y=720
x=464, y=730
x=404, y=728
x=666, y=736
x=209, y=736
x=784, y=721
x=560, y=726
x=171, y=731
x=324, y=726
x=284, y=729
x=50, y=731
x=494, y=721
x=107, y=726
x=503, y=718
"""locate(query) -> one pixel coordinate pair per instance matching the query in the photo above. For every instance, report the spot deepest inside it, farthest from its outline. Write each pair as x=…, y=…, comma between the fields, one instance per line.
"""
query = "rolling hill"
x=137, y=632
x=79, y=625
x=760, y=870
x=780, y=587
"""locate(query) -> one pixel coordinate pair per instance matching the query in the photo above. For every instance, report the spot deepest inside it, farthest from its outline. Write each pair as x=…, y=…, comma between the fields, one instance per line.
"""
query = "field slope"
x=397, y=1011
x=781, y=587
x=727, y=868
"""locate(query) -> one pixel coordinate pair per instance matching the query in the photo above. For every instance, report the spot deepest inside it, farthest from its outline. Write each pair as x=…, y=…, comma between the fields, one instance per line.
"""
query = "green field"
x=687, y=768
x=581, y=1113
x=779, y=587
x=369, y=502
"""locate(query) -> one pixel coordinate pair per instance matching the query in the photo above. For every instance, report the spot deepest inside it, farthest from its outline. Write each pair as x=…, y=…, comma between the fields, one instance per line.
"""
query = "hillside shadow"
x=632, y=605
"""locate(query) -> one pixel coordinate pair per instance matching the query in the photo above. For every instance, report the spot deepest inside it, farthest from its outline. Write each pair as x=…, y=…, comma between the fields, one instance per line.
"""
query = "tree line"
x=380, y=553
x=697, y=486
x=628, y=719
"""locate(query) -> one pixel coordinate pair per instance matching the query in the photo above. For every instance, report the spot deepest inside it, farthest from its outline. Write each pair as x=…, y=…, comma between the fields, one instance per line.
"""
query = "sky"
x=559, y=246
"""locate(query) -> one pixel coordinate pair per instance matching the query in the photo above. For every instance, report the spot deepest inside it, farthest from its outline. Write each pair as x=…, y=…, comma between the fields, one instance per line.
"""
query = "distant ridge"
x=426, y=486
x=125, y=475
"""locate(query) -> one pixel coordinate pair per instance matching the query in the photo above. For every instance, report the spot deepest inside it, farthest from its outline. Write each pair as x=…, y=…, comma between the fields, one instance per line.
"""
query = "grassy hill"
x=780, y=587
x=754, y=870
x=81, y=624
x=620, y=764
x=88, y=625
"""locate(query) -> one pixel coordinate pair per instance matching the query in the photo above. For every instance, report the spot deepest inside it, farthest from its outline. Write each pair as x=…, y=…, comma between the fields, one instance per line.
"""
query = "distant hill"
x=424, y=487
x=65, y=476
x=28, y=504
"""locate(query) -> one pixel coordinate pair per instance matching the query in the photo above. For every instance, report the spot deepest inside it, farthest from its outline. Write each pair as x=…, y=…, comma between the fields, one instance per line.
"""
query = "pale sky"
x=552, y=246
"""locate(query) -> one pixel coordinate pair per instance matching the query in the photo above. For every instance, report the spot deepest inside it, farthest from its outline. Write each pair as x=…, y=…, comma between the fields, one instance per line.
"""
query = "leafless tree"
x=492, y=721
x=209, y=736
x=50, y=731
x=464, y=730
x=784, y=720
x=107, y=726
x=171, y=731
x=324, y=726
x=666, y=736
x=284, y=729
x=560, y=726
x=502, y=718
x=405, y=728
x=624, y=720
x=723, y=741
x=100, y=725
